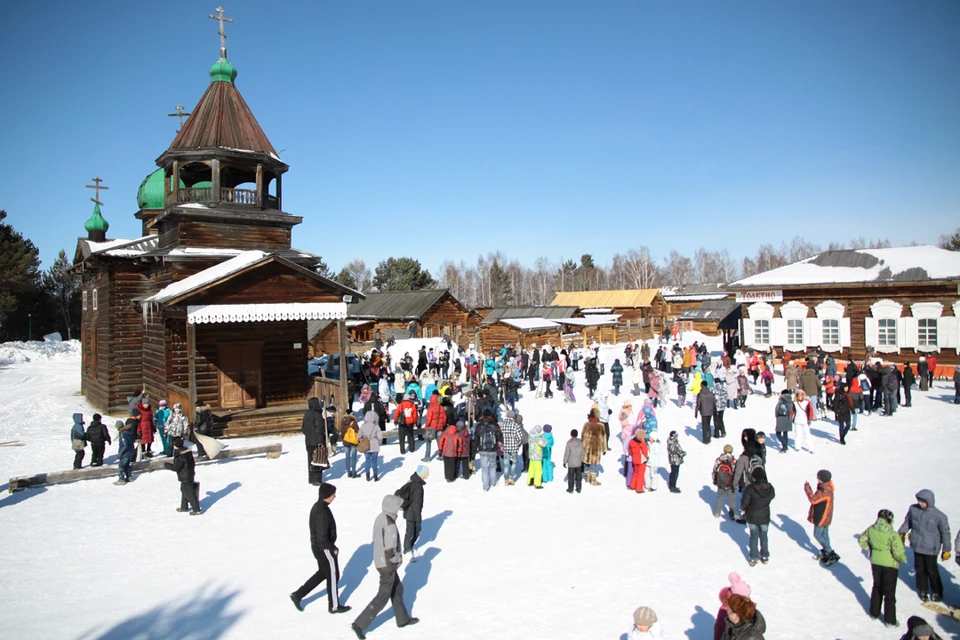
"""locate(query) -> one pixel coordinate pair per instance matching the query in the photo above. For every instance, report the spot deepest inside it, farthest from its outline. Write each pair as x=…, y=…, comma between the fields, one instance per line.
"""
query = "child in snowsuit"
x=546, y=462
x=126, y=451
x=78, y=440
x=639, y=453
x=98, y=436
x=767, y=378
x=821, y=515
x=743, y=388
x=681, y=390
x=537, y=442
x=886, y=554
x=675, y=454
x=645, y=625
x=653, y=463
x=573, y=461
x=183, y=464
x=723, y=468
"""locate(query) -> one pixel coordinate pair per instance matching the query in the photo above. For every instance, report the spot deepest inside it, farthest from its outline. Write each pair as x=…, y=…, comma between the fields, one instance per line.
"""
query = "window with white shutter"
x=761, y=319
x=927, y=334
x=830, y=330
x=890, y=331
x=924, y=326
x=830, y=333
x=761, y=333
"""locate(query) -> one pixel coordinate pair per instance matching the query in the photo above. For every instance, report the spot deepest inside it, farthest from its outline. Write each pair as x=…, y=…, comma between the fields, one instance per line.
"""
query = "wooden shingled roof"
x=611, y=299
x=223, y=119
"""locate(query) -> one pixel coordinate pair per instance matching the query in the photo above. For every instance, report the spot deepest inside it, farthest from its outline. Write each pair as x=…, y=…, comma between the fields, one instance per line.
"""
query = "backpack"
x=755, y=462
x=401, y=419
x=488, y=439
x=724, y=476
x=404, y=492
x=783, y=410
x=350, y=437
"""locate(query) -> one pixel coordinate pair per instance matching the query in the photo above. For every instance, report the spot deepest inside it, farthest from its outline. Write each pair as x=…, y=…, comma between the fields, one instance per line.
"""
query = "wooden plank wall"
x=222, y=234
x=95, y=331
x=284, y=373
x=126, y=331
x=270, y=283
x=857, y=302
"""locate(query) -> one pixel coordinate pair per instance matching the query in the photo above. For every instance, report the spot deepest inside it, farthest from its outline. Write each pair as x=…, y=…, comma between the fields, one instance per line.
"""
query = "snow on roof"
x=122, y=248
x=597, y=310
x=896, y=264
x=207, y=276
x=203, y=251
x=530, y=324
x=192, y=205
x=593, y=320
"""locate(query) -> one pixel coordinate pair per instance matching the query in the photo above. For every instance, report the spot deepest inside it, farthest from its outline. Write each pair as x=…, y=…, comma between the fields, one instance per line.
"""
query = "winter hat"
x=487, y=413
x=673, y=434
x=178, y=443
x=146, y=402
x=177, y=407
x=922, y=630
x=518, y=419
x=738, y=586
x=644, y=616
x=742, y=606
x=547, y=428
x=327, y=490
x=761, y=434
x=163, y=403
x=97, y=417
x=118, y=425
x=461, y=424
x=423, y=471
x=641, y=433
x=759, y=475
x=824, y=476
x=653, y=436
x=727, y=448
x=510, y=414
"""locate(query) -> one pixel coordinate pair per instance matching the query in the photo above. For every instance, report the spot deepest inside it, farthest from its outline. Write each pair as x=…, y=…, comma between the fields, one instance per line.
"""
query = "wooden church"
x=212, y=302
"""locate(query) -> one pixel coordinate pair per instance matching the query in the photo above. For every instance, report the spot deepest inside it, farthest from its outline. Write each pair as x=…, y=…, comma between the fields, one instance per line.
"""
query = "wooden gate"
x=240, y=365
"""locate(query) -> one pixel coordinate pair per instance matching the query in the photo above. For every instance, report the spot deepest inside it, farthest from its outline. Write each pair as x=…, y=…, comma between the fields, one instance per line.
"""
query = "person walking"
x=512, y=437
x=449, y=445
x=412, y=495
x=370, y=438
x=755, y=505
x=639, y=453
x=723, y=469
x=784, y=412
x=885, y=549
x=705, y=406
x=675, y=455
x=78, y=440
x=127, y=448
x=184, y=465
x=387, y=558
x=802, y=416
x=593, y=447
x=820, y=515
x=929, y=532
x=616, y=371
x=406, y=418
x=313, y=426
x=535, y=471
x=488, y=441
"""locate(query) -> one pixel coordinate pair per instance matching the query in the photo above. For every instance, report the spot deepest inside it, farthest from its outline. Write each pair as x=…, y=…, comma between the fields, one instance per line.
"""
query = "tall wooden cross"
x=223, y=35
x=97, y=188
x=179, y=114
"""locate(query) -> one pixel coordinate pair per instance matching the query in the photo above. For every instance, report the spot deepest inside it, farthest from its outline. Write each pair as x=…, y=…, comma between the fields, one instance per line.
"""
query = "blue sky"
x=440, y=129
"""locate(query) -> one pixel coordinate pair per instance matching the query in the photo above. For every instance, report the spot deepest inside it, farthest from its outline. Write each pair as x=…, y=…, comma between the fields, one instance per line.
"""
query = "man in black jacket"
x=755, y=506
x=98, y=436
x=312, y=427
x=323, y=543
x=184, y=465
x=412, y=494
x=534, y=367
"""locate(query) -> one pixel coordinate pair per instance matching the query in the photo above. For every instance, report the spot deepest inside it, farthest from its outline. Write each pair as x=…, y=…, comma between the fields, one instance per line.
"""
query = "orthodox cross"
x=223, y=35
x=97, y=188
x=179, y=114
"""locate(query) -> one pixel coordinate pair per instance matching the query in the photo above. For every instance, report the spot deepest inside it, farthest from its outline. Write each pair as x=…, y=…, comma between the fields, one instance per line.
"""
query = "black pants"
x=574, y=479
x=928, y=574
x=410, y=535
x=328, y=570
x=78, y=458
x=450, y=469
x=525, y=455
x=674, y=474
x=784, y=438
x=908, y=394
x=188, y=495
x=391, y=590
x=844, y=429
x=705, y=428
x=97, y=448
x=406, y=438
x=885, y=591
x=718, y=424
x=314, y=473
x=606, y=434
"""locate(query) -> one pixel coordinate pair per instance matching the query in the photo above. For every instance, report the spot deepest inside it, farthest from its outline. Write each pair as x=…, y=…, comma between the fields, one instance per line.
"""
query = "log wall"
x=174, y=233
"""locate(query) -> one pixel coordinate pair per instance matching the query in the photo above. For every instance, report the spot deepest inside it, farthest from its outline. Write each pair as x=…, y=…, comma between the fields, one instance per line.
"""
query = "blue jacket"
x=76, y=431
x=127, y=438
x=929, y=529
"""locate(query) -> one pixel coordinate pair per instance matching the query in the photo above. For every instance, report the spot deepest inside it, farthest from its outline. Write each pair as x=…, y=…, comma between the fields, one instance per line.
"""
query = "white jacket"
x=655, y=633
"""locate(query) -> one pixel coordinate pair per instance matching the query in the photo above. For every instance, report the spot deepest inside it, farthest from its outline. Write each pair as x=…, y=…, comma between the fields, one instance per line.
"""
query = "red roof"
x=223, y=119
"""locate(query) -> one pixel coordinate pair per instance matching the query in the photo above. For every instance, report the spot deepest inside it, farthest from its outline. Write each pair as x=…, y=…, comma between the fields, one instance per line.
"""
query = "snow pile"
x=34, y=350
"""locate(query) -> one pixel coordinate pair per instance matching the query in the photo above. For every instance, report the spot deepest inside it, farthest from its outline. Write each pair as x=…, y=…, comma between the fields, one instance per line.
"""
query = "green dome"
x=96, y=222
x=151, y=193
x=223, y=71
x=204, y=184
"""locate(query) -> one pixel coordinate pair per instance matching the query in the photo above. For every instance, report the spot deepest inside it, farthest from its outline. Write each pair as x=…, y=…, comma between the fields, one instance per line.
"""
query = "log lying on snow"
x=16, y=484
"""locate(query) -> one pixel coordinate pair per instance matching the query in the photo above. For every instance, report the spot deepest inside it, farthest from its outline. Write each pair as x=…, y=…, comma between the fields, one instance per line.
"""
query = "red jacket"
x=450, y=443
x=146, y=424
x=436, y=416
x=639, y=451
x=409, y=411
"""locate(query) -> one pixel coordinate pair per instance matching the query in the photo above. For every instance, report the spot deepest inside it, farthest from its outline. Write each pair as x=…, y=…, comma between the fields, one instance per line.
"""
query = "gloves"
x=945, y=556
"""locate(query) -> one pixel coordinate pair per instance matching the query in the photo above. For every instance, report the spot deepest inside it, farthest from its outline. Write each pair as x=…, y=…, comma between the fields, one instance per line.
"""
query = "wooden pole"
x=342, y=395
x=192, y=366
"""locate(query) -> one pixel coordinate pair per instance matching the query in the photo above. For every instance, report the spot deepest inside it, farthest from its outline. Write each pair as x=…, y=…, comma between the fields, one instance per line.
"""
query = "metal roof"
x=713, y=291
x=547, y=313
x=611, y=299
x=711, y=310
x=397, y=305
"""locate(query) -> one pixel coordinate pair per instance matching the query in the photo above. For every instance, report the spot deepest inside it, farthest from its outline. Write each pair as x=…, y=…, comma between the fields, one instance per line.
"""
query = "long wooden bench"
x=16, y=484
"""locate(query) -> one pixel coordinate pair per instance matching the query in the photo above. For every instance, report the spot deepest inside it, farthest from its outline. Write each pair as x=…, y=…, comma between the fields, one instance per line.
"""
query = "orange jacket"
x=821, y=503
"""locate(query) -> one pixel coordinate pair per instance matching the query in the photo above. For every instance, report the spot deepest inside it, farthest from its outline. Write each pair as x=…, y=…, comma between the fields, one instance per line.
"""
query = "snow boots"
x=591, y=478
x=828, y=559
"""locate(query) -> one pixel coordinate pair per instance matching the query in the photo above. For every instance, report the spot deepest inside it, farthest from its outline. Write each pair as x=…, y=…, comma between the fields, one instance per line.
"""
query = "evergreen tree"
x=19, y=275
x=500, y=285
x=62, y=288
x=951, y=242
x=401, y=274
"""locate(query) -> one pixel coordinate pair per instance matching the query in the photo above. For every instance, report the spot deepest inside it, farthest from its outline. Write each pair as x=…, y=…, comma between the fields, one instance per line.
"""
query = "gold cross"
x=97, y=188
x=223, y=35
x=179, y=114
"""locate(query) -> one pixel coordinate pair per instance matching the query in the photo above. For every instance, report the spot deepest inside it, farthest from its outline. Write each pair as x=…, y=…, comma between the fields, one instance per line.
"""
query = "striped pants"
x=327, y=569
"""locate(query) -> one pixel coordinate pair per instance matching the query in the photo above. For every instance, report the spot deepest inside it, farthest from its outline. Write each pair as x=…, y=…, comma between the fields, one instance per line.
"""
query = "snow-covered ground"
x=93, y=560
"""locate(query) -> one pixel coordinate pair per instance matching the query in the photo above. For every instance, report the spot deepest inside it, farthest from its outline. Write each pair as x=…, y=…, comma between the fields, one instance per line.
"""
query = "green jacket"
x=884, y=544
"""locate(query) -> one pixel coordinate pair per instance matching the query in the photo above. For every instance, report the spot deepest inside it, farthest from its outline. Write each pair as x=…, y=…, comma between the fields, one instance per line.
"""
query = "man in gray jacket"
x=705, y=407
x=929, y=531
x=387, y=558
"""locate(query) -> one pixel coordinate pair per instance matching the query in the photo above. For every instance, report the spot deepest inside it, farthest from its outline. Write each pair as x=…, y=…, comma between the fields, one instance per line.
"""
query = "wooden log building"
x=212, y=302
x=644, y=311
x=900, y=302
x=522, y=327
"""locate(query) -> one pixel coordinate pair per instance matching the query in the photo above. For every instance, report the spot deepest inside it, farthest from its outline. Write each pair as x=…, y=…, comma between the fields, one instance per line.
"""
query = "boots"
x=591, y=478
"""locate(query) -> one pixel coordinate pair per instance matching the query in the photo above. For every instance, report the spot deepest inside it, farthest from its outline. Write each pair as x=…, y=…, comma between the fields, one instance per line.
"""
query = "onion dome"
x=223, y=71
x=96, y=222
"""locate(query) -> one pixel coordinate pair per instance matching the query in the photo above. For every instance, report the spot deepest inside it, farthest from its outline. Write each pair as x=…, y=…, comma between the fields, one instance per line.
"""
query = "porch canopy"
x=211, y=313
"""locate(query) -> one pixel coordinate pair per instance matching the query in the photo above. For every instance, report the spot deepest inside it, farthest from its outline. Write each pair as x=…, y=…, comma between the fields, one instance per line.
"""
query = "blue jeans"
x=758, y=532
x=371, y=459
x=124, y=465
x=426, y=452
x=350, y=451
x=853, y=417
x=889, y=403
x=822, y=535
x=511, y=399
x=488, y=466
x=509, y=465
